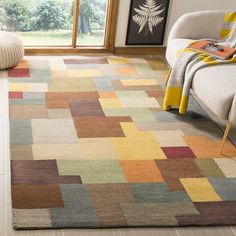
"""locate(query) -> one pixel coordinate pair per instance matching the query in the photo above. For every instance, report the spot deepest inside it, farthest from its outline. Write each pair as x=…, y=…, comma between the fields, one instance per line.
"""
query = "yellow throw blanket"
x=189, y=62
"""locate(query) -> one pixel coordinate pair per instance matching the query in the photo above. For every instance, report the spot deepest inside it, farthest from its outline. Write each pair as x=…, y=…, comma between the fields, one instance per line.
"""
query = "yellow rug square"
x=110, y=102
x=18, y=87
x=200, y=190
x=137, y=145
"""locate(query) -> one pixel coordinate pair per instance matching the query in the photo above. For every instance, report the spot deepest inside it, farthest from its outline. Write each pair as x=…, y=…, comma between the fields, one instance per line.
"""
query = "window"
x=56, y=23
x=92, y=22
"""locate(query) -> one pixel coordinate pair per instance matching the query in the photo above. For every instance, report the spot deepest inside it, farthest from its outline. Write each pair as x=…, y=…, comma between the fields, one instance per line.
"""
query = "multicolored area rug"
x=92, y=148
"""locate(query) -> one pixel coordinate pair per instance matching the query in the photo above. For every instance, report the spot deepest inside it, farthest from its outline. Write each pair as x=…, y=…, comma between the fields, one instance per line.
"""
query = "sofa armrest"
x=198, y=25
x=232, y=114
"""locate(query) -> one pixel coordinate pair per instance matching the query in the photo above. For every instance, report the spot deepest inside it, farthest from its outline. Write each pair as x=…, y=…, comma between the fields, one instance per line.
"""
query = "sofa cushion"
x=216, y=87
x=173, y=47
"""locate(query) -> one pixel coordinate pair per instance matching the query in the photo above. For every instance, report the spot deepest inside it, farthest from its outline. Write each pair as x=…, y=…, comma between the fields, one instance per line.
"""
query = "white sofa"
x=215, y=86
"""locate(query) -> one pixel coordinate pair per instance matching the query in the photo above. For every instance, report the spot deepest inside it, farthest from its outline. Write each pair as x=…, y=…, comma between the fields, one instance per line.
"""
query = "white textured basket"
x=11, y=50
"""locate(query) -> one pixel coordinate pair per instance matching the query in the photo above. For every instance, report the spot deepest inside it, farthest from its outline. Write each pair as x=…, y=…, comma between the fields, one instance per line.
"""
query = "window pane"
x=38, y=22
x=92, y=22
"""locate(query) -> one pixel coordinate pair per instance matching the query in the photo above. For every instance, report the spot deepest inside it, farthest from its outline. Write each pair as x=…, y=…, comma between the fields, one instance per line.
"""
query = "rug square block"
x=139, y=171
x=106, y=71
x=103, y=85
x=142, y=68
x=200, y=190
x=137, y=60
x=133, y=85
x=78, y=209
x=53, y=131
x=110, y=193
x=84, y=73
x=39, y=64
x=138, y=82
x=178, y=152
x=137, y=145
x=81, y=66
x=227, y=166
x=72, y=85
x=107, y=95
x=159, y=93
x=85, y=107
x=28, y=112
x=205, y=147
x=170, y=138
x=36, y=196
x=93, y=171
x=96, y=148
x=132, y=94
x=28, y=102
x=21, y=131
x=118, y=60
x=25, y=218
x=18, y=87
x=224, y=187
x=110, y=102
x=21, y=72
x=125, y=70
x=56, y=151
x=23, y=64
x=34, y=95
x=210, y=213
x=21, y=152
x=154, y=214
x=37, y=87
x=138, y=115
x=139, y=102
x=157, y=192
x=59, y=114
x=100, y=127
x=41, y=76
x=209, y=168
x=157, y=64
x=15, y=95
x=57, y=64
x=59, y=74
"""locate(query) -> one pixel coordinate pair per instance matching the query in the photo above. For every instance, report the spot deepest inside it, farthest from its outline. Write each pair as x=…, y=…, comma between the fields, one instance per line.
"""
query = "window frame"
x=109, y=37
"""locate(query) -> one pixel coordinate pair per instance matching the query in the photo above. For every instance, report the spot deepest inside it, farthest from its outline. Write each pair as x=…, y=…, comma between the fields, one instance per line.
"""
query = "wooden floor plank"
x=122, y=232
x=205, y=231
x=234, y=230
x=2, y=133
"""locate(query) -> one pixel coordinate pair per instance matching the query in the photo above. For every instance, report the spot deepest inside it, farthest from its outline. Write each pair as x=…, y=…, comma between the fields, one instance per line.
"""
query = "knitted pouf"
x=11, y=50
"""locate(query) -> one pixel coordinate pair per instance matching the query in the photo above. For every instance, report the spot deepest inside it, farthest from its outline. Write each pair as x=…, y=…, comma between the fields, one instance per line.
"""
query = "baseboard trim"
x=96, y=50
x=139, y=50
x=65, y=50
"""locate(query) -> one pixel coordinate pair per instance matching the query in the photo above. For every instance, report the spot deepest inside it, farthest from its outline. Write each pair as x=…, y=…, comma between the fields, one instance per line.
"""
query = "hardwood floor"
x=207, y=231
x=5, y=201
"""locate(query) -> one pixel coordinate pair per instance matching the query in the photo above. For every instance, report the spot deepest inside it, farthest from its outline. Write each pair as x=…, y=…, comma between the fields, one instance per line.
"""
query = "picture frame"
x=147, y=22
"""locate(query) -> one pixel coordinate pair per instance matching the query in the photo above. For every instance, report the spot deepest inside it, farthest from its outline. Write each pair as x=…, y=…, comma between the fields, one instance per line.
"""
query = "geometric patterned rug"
x=92, y=148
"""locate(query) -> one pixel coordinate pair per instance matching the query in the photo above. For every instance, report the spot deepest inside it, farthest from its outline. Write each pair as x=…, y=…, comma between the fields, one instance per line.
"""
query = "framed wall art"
x=147, y=22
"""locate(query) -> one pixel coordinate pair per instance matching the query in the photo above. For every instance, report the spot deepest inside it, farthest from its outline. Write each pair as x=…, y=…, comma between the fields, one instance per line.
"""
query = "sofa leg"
x=168, y=76
x=225, y=136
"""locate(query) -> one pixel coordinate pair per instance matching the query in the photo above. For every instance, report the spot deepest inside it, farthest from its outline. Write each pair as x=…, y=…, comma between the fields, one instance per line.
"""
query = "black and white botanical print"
x=148, y=16
x=147, y=22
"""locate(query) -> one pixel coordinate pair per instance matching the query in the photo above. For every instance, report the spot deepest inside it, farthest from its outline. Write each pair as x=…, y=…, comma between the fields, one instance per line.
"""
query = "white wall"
x=176, y=9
